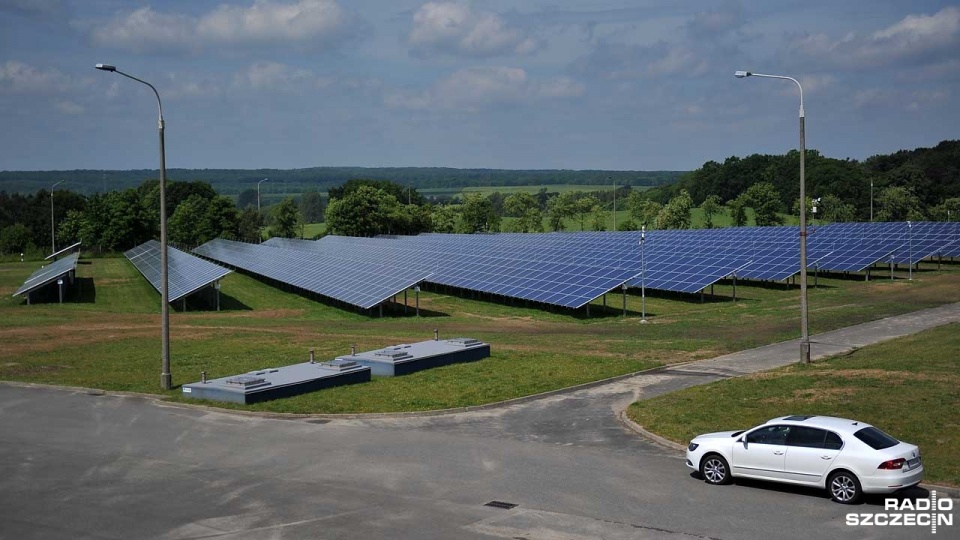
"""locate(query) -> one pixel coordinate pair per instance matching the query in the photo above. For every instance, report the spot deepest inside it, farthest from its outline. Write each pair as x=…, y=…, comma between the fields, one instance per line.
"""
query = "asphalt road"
x=79, y=464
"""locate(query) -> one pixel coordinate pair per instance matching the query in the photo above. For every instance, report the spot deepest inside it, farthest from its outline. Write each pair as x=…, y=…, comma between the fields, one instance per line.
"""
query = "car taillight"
x=893, y=464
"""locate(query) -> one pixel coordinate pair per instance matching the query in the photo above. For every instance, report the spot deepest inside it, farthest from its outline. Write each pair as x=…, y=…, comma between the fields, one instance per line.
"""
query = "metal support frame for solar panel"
x=48, y=274
x=364, y=284
x=62, y=251
x=186, y=273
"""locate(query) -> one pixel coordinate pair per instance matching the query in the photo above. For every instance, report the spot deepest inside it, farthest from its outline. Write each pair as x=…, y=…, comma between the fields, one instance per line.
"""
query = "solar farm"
x=571, y=270
x=528, y=295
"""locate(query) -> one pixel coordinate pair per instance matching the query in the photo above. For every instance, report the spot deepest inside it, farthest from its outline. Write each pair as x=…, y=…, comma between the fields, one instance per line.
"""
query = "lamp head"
x=106, y=67
x=742, y=74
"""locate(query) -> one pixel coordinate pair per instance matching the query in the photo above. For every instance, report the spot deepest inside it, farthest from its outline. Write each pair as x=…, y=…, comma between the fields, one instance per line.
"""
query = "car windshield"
x=875, y=438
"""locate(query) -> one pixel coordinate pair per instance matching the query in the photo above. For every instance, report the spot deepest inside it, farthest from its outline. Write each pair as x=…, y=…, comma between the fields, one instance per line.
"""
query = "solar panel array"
x=49, y=273
x=186, y=274
x=364, y=284
x=573, y=269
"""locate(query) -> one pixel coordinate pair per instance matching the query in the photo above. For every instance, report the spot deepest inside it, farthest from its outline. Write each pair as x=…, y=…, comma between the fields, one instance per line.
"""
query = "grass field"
x=909, y=387
x=107, y=334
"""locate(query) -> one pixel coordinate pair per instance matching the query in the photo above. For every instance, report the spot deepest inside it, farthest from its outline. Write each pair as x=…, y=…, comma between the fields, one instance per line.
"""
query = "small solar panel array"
x=48, y=274
x=186, y=274
x=572, y=269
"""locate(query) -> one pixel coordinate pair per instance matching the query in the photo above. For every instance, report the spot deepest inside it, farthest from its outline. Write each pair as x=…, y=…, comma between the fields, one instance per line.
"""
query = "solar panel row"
x=572, y=269
x=364, y=284
x=186, y=274
x=48, y=274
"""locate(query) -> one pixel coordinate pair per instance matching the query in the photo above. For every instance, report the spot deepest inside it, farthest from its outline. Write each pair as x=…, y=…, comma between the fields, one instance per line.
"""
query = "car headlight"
x=692, y=446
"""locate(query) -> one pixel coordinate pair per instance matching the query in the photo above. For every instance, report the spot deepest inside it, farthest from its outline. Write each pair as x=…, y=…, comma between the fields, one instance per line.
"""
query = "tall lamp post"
x=166, y=379
x=614, y=204
x=258, y=193
x=643, y=276
x=804, y=326
x=910, y=252
x=53, y=237
x=871, y=200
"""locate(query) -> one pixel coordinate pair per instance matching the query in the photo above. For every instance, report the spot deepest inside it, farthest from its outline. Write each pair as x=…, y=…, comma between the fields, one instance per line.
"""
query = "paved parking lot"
x=79, y=464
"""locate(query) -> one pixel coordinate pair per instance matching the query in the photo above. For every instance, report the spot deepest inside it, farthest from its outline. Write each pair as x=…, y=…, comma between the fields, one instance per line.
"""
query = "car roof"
x=842, y=425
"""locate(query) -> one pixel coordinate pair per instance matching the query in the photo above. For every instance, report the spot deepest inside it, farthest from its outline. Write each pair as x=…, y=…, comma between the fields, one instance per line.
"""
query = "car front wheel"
x=715, y=469
x=844, y=487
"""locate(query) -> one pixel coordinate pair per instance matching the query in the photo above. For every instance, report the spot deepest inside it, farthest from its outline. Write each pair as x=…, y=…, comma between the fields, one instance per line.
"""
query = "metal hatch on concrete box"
x=409, y=358
x=273, y=383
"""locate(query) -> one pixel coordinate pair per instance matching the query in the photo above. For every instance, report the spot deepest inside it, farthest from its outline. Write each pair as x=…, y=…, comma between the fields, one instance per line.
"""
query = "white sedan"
x=845, y=457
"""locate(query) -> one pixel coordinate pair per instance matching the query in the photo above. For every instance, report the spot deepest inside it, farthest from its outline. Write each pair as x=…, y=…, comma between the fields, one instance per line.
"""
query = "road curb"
x=653, y=437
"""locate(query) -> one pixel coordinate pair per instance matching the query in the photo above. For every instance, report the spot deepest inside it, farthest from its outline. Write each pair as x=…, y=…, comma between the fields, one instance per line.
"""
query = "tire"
x=844, y=487
x=715, y=470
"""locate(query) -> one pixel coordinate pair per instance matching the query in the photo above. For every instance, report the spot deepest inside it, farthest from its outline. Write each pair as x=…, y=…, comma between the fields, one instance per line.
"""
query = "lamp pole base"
x=805, y=352
x=166, y=381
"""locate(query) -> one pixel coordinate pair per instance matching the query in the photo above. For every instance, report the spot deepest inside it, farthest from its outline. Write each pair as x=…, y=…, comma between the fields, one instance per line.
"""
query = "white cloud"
x=274, y=76
x=19, y=78
x=69, y=107
x=472, y=89
x=456, y=29
x=265, y=21
x=918, y=38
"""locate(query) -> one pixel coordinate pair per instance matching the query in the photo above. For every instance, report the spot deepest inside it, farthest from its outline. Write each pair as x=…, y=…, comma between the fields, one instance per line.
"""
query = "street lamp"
x=804, y=327
x=871, y=200
x=614, y=204
x=258, y=193
x=53, y=238
x=643, y=276
x=910, y=252
x=165, y=377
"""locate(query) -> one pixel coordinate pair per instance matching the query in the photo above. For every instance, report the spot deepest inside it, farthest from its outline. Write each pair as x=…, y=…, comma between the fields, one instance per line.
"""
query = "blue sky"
x=552, y=84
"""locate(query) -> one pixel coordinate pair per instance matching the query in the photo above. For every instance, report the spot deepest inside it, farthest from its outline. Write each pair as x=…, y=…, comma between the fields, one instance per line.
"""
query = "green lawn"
x=909, y=387
x=107, y=334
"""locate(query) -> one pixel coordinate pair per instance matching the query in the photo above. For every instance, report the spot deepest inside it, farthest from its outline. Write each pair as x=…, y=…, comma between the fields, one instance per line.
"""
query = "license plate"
x=913, y=463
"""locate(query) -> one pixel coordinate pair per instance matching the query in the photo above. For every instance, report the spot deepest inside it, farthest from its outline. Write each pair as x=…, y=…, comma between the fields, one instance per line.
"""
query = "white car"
x=845, y=457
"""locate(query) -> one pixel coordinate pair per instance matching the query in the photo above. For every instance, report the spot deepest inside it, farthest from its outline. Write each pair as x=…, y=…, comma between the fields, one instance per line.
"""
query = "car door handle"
x=826, y=457
x=778, y=453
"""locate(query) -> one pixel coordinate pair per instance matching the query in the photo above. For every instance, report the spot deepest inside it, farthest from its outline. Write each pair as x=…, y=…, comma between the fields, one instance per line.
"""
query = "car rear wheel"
x=715, y=469
x=844, y=487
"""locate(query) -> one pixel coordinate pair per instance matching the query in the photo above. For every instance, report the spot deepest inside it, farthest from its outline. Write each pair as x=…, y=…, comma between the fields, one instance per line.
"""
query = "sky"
x=533, y=84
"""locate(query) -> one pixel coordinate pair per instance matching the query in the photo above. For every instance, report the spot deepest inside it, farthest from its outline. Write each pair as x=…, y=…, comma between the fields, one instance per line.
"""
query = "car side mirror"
x=742, y=440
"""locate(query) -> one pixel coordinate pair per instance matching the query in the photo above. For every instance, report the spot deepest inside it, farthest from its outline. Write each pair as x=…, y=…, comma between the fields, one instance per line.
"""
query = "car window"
x=833, y=442
x=806, y=437
x=769, y=435
x=876, y=439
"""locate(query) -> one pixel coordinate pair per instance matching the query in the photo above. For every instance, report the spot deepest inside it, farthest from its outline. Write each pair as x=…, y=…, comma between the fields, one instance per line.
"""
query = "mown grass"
x=107, y=334
x=909, y=387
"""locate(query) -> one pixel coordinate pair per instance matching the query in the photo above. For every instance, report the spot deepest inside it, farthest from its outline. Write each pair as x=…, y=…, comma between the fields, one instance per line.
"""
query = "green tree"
x=738, y=210
x=286, y=218
x=14, y=238
x=444, y=219
x=198, y=220
x=898, y=203
x=764, y=198
x=527, y=209
x=711, y=206
x=477, y=215
x=676, y=213
x=948, y=210
x=249, y=225
x=559, y=209
x=583, y=207
x=311, y=206
x=642, y=210
x=598, y=218
x=247, y=199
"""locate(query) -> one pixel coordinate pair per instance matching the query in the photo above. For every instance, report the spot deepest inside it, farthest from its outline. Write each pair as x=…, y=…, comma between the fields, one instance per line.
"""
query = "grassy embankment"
x=909, y=387
x=106, y=335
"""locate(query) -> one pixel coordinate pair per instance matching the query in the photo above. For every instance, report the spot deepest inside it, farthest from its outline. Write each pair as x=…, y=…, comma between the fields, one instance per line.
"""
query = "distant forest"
x=232, y=182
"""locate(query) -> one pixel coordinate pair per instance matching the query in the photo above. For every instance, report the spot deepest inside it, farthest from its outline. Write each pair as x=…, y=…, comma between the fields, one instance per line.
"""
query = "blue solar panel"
x=364, y=284
x=186, y=274
x=48, y=274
